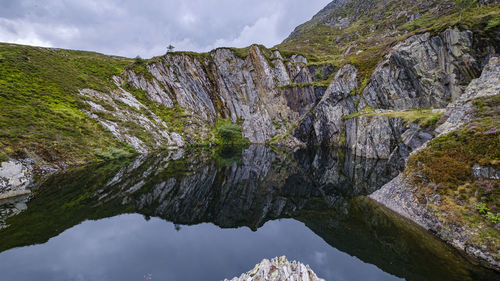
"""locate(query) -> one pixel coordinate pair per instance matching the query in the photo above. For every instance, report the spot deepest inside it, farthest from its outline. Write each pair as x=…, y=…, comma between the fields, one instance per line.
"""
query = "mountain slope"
x=360, y=32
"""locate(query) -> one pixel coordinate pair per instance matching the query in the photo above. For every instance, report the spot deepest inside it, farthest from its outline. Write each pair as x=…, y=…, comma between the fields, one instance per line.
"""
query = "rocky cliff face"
x=14, y=179
x=427, y=71
x=257, y=90
x=269, y=94
x=421, y=72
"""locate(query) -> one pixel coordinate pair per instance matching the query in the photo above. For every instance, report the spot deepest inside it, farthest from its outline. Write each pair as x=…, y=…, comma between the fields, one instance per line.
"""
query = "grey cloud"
x=130, y=28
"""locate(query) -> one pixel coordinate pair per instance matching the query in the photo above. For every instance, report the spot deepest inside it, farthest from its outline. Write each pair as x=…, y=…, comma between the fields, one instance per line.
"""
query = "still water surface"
x=210, y=215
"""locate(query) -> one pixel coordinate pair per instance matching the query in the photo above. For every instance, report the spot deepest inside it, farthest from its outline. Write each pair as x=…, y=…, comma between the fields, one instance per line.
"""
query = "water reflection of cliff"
x=249, y=190
x=245, y=187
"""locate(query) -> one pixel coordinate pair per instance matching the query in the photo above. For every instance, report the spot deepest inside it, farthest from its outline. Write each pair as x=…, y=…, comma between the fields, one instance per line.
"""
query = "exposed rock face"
x=121, y=120
x=155, y=91
x=270, y=94
x=324, y=124
x=218, y=85
x=399, y=194
x=373, y=136
x=485, y=172
x=279, y=269
x=460, y=112
x=14, y=178
x=425, y=71
x=382, y=137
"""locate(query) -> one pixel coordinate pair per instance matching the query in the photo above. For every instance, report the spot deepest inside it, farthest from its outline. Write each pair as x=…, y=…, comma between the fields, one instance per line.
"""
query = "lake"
x=210, y=214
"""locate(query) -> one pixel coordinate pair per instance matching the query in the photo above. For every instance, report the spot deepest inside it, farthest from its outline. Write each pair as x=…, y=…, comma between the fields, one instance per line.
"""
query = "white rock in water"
x=14, y=178
x=279, y=269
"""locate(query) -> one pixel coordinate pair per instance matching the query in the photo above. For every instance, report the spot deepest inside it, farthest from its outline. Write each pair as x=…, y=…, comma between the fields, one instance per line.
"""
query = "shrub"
x=493, y=218
x=481, y=208
x=229, y=133
x=138, y=60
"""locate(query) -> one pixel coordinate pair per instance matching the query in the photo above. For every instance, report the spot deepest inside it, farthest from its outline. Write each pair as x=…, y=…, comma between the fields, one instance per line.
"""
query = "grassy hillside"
x=40, y=111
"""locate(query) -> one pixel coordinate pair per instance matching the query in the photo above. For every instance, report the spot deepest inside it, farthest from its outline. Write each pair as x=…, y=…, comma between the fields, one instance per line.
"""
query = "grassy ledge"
x=426, y=118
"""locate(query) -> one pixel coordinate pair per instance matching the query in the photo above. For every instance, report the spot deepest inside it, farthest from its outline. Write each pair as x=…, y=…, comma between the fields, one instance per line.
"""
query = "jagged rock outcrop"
x=426, y=71
x=279, y=269
x=324, y=124
x=400, y=194
x=460, y=111
x=423, y=71
x=376, y=135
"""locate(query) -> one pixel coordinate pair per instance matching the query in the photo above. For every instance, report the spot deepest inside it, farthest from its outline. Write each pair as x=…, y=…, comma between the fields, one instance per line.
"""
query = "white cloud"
x=20, y=32
x=262, y=32
x=145, y=28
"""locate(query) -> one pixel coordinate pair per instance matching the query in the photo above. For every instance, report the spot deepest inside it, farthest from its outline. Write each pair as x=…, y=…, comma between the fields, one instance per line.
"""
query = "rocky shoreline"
x=400, y=196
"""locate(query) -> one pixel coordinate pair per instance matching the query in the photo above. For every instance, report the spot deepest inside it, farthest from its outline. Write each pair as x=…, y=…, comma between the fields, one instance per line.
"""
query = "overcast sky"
x=145, y=28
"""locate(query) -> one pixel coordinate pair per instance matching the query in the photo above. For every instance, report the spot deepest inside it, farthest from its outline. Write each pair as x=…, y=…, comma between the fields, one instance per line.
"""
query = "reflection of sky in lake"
x=127, y=247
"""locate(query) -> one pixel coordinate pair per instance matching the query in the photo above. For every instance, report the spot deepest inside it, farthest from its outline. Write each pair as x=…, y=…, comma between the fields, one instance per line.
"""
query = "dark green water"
x=210, y=215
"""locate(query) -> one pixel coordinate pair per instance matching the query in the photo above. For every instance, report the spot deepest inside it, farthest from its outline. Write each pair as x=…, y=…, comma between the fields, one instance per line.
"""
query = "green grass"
x=40, y=109
x=111, y=154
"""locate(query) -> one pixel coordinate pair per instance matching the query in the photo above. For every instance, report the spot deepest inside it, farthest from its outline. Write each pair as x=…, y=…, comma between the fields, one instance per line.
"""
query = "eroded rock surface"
x=460, y=111
x=426, y=71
